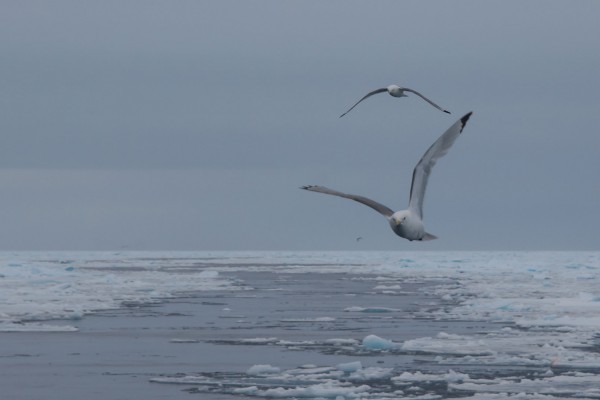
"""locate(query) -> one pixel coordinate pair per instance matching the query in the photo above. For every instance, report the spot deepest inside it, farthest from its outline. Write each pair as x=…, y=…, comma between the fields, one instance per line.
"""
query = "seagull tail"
x=428, y=236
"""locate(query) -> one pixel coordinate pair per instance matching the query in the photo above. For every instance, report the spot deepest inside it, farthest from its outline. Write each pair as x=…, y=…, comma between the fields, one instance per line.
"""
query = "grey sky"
x=191, y=124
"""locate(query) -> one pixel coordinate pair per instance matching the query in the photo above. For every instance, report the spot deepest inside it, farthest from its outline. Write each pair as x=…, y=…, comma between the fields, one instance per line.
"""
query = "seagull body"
x=396, y=91
x=409, y=223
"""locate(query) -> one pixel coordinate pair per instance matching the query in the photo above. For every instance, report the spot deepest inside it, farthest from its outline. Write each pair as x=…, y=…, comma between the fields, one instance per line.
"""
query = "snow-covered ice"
x=262, y=369
x=377, y=325
x=56, y=285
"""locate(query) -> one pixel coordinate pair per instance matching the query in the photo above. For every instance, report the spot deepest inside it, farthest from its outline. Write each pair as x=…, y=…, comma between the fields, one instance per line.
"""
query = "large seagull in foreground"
x=396, y=91
x=409, y=223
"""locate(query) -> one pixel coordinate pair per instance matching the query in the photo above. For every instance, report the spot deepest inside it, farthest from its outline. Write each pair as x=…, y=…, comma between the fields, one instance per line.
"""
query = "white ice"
x=39, y=286
x=546, y=305
x=262, y=369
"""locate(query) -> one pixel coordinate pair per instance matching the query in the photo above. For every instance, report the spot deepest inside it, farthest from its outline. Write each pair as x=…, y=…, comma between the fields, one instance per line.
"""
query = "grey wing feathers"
x=436, y=151
x=380, y=208
x=426, y=99
x=367, y=95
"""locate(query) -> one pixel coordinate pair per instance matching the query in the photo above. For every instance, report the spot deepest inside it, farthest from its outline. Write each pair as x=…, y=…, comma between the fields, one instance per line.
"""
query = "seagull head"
x=399, y=217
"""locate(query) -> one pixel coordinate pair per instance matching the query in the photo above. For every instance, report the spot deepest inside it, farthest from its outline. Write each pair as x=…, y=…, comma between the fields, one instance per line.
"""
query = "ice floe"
x=374, y=342
x=544, y=306
x=67, y=286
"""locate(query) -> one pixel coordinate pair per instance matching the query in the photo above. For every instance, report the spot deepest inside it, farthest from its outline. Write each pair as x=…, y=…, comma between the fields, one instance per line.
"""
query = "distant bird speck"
x=409, y=223
x=396, y=91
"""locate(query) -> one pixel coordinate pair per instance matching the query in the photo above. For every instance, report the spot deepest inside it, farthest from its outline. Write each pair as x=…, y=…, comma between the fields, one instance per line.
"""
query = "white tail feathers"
x=428, y=236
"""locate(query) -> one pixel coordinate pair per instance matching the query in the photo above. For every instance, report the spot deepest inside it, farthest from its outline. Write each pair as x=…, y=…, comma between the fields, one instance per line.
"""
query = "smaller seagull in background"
x=396, y=91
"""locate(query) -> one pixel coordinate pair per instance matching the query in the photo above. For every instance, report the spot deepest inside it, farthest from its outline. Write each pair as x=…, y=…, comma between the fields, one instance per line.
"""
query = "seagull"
x=396, y=91
x=409, y=223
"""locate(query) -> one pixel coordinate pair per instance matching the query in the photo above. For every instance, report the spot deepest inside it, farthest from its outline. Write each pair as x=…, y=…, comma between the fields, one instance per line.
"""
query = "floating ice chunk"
x=374, y=342
x=289, y=343
x=247, y=391
x=313, y=371
x=342, y=342
x=326, y=390
x=449, y=344
x=370, y=309
x=583, y=386
x=453, y=376
x=408, y=377
x=354, y=309
x=350, y=367
x=565, y=321
x=371, y=373
x=388, y=287
x=318, y=319
x=449, y=336
x=263, y=369
x=35, y=327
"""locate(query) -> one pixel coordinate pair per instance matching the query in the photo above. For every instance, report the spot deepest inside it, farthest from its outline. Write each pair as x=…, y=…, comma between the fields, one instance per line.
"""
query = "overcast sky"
x=191, y=124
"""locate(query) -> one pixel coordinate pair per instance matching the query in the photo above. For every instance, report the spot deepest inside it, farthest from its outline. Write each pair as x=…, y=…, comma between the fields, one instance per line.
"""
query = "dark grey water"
x=287, y=320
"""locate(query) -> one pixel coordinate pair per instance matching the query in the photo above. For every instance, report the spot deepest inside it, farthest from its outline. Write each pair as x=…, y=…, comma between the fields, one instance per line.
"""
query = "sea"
x=300, y=325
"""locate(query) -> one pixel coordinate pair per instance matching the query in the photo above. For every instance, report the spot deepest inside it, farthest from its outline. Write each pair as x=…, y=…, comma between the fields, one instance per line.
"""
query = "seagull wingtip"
x=447, y=112
x=464, y=119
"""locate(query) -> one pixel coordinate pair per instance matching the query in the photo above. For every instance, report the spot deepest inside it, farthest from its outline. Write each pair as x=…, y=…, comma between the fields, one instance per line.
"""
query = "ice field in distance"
x=545, y=306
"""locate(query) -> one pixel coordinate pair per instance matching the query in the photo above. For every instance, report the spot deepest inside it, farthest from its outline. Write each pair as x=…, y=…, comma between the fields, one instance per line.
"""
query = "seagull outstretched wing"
x=380, y=208
x=368, y=95
x=426, y=99
x=421, y=172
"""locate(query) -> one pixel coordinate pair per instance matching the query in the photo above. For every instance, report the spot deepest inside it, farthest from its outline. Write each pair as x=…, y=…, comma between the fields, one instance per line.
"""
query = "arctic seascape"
x=309, y=325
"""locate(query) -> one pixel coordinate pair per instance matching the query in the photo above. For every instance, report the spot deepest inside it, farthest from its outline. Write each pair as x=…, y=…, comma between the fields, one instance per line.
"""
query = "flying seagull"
x=409, y=223
x=396, y=91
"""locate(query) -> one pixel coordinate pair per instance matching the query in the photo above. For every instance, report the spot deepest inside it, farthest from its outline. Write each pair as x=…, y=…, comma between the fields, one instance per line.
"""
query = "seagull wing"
x=380, y=208
x=426, y=99
x=421, y=172
x=368, y=95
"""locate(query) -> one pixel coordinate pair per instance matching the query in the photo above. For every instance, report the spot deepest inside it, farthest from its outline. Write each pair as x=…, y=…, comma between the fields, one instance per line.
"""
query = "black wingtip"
x=464, y=119
x=447, y=112
x=305, y=187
